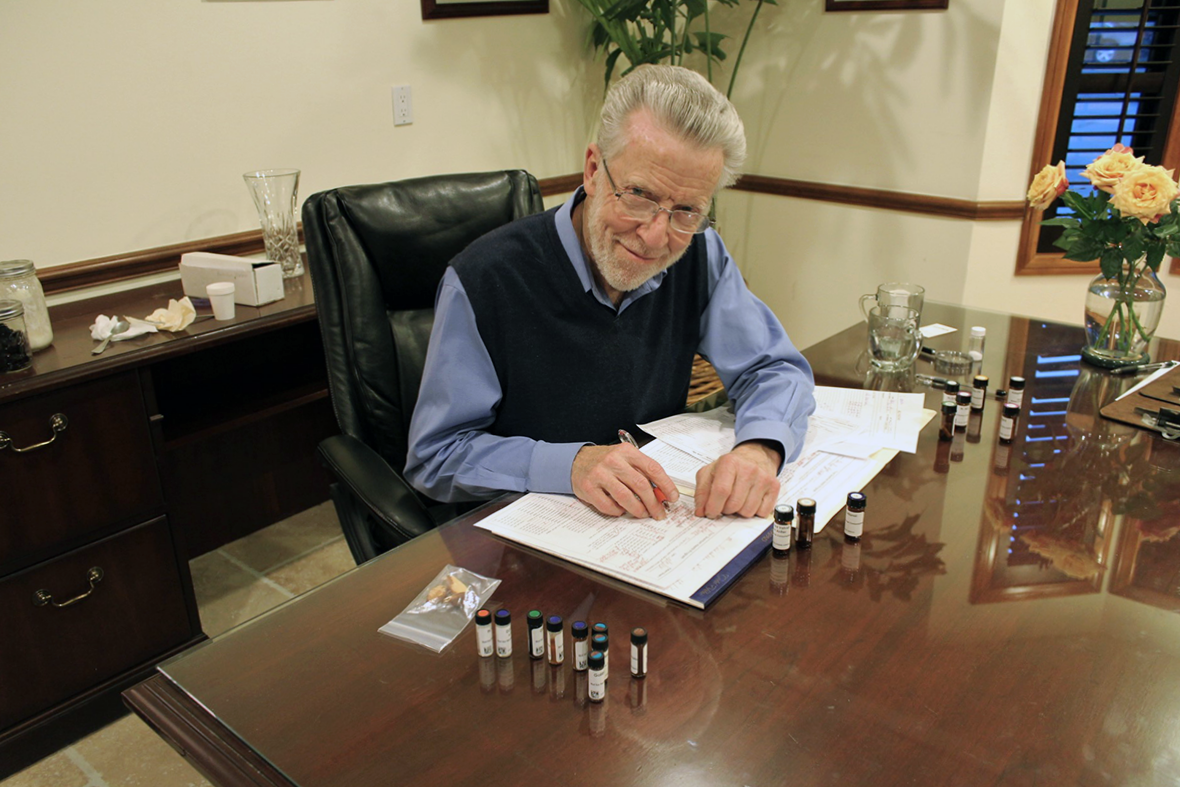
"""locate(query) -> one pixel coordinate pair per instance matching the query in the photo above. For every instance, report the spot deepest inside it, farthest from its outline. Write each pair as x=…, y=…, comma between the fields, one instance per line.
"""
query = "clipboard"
x=1154, y=406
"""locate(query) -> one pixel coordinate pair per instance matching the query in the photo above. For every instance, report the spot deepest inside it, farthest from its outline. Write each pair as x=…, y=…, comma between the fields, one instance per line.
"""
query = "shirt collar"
x=573, y=250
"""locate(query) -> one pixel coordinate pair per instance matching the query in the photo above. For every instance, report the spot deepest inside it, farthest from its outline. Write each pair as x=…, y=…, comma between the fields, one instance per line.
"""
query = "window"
x=1114, y=67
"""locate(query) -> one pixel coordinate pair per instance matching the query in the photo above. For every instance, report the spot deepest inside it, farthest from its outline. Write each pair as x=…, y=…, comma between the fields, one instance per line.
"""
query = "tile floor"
x=233, y=584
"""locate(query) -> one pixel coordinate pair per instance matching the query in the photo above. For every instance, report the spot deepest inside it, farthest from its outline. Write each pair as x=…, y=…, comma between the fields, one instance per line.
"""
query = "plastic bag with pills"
x=443, y=609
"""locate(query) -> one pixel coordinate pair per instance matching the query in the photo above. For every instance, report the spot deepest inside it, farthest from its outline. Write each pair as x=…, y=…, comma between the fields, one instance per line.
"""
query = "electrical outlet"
x=403, y=110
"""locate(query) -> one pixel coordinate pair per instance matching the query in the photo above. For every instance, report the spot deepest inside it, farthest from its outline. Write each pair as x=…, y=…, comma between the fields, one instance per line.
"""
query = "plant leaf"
x=1111, y=263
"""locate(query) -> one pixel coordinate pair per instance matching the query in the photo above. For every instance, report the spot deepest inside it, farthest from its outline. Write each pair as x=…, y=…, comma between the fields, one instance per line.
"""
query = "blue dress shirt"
x=452, y=458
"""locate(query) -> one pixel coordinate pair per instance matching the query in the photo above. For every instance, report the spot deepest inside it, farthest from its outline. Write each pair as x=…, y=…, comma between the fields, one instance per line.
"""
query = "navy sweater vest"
x=570, y=368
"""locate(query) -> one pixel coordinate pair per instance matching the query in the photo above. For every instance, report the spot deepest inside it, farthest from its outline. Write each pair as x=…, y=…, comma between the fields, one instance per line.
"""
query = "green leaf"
x=1168, y=229
x=1155, y=256
x=1111, y=263
x=1078, y=204
x=1084, y=250
x=1064, y=221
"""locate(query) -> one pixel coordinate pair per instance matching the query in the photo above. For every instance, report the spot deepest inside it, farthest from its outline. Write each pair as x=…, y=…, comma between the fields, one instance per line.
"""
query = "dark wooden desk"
x=1008, y=618
x=175, y=444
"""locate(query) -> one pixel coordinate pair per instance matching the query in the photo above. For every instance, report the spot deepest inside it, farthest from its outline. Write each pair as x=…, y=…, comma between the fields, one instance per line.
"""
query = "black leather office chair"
x=376, y=254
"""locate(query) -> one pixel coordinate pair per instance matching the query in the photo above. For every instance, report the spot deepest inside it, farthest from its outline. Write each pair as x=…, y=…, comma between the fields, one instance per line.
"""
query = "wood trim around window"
x=1030, y=262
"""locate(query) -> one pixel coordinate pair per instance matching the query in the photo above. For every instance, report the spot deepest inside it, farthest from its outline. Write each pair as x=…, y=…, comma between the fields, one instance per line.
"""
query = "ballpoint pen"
x=626, y=437
x=1143, y=367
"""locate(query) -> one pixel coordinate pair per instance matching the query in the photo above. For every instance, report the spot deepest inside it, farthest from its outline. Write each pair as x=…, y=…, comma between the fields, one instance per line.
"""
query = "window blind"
x=1120, y=87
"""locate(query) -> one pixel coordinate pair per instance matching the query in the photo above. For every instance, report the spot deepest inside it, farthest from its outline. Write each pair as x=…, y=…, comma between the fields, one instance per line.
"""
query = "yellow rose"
x=1049, y=184
x=1145, y=194
x=1109, y=168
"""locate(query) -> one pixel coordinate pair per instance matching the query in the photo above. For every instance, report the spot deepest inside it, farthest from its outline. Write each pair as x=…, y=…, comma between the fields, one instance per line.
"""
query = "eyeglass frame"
x=657, y=208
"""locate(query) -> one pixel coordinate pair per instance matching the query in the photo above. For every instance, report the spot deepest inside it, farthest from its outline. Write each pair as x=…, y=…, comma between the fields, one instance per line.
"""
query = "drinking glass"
x=895, y=293
x=274, y=192
x=894, y=342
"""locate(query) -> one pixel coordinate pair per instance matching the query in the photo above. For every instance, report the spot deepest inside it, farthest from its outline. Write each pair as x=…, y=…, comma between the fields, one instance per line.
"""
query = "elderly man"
x=554, y=332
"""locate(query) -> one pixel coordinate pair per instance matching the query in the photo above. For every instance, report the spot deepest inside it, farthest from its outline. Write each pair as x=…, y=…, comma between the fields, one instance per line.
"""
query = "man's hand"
x=617, y=479
x=742, y=482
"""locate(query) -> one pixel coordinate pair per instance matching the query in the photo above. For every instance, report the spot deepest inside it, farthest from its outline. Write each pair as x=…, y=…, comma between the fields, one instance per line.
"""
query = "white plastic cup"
x=221, y=298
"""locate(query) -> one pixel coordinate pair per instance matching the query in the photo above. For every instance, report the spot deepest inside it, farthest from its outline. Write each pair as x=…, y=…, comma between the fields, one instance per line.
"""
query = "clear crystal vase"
x=274, y=192
x=1122, y=314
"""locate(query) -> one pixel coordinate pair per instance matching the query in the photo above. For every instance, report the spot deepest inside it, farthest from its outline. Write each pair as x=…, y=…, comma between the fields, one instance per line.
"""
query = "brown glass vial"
x=805, y=507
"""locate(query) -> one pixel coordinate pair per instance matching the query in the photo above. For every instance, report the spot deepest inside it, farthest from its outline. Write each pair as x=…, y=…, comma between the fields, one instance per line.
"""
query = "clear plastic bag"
x=443, y=609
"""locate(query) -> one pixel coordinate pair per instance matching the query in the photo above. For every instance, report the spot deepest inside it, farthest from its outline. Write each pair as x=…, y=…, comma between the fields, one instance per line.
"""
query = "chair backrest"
x=376, y=254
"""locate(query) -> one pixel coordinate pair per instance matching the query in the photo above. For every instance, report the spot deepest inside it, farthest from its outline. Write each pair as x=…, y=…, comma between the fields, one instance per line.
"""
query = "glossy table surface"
x=1008, y=618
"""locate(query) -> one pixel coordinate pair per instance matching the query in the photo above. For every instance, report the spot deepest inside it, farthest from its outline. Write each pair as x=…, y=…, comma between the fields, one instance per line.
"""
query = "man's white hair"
x=682, y=102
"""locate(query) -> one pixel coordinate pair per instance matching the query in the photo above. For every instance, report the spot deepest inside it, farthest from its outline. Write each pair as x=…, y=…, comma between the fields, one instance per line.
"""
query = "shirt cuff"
x=772, y=431
x=550, y=467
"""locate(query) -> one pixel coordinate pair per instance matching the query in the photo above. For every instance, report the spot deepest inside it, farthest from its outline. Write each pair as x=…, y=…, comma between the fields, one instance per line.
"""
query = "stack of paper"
x=851, y=436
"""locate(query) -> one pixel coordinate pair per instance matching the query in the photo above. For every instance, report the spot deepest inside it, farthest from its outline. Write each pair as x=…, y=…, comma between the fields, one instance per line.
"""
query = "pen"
x=626, y=437
x=1145, y=367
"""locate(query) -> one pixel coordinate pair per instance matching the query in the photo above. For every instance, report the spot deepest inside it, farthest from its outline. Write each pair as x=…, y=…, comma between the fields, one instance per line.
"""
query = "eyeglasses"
x=635, y=206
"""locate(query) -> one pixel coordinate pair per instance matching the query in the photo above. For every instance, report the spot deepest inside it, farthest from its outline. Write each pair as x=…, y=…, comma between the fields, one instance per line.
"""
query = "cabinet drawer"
x=134, y=613
x=98, y=472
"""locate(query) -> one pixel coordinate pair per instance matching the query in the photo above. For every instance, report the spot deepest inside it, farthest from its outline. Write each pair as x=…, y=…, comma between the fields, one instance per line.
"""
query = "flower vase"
x=1122, y=314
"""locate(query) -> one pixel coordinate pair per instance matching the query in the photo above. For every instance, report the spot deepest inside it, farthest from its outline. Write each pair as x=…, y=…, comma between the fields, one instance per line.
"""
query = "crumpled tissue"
x=103, y=324
x=178, y=316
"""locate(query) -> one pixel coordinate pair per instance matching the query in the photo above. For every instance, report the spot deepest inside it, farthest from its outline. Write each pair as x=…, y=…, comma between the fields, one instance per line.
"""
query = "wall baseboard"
x=131, y=265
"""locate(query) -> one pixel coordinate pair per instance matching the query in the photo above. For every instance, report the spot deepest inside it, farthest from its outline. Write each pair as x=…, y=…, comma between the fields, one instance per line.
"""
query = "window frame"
x=1030, y=262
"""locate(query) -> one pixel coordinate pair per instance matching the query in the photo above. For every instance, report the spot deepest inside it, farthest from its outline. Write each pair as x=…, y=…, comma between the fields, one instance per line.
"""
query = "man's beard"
x=620, y=272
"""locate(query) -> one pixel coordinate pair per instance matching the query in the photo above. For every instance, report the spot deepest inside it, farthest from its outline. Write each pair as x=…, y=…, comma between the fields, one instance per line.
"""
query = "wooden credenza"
x=172, y=445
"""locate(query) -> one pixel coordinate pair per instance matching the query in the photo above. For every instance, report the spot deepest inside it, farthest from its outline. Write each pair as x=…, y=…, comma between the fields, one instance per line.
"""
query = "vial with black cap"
x=638, y=652
x=580, y=632
x=597, y=689
x=484, y=644
x=782, y=534
x=854, y=516
x=805, y=507
x=555, y=639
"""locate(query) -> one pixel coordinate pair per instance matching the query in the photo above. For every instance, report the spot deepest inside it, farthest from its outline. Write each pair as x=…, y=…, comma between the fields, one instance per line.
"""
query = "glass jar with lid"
x=18, y=281
x=14, y=339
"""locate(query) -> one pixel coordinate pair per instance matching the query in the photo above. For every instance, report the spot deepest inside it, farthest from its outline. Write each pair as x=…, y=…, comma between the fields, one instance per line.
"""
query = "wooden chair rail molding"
x=118, y=267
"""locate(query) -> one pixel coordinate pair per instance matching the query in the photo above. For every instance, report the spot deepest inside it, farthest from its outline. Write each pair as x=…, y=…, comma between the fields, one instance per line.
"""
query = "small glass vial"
x=951, y=391
x=579, y=632
x=503, y=633
x=638, y=652
x=782, y=534
x=483, y=634
x=806, y=508
x=946, y=429
x=975, y=343
x=555, y=639
x=601, y=643
x=1016, y=391
x=963, y=411
x=979, y=391
x=854, y=516
x=18, y=281
x=597, y=665
x=1008, y=423
x=15, y=353
x=535, y=624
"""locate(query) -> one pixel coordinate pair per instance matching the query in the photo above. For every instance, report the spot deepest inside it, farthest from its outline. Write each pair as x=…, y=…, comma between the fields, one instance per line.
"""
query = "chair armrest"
x=376, y=485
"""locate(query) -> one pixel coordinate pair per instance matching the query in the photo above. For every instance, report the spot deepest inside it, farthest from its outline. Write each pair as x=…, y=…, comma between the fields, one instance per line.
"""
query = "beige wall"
x=942, y=103
x=128, y=123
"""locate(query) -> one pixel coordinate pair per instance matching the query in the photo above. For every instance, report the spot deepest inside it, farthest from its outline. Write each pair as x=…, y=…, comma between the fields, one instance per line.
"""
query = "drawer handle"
x=43, y=596
x=57, y=422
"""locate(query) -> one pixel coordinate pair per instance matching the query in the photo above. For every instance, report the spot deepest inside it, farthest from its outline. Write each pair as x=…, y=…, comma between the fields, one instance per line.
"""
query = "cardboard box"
x=255, y=281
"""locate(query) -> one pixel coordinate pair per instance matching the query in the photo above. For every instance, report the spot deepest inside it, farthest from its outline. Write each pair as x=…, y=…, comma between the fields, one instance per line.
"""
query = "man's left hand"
x=743, y=482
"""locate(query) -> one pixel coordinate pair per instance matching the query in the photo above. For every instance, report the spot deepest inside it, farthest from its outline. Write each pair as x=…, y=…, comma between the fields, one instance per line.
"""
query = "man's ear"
x=590, y=169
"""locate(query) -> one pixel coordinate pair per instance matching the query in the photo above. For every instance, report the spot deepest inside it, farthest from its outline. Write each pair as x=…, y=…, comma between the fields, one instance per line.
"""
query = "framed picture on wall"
x=882, y=5
x=450, y=9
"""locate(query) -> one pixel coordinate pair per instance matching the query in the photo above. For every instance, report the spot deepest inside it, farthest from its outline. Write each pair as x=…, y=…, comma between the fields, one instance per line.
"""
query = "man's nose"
x=654, y=232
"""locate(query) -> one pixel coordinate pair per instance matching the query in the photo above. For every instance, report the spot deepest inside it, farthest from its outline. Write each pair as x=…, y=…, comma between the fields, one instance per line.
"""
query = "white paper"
x=892, y=419
x=675, y=556
x=935, y=329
